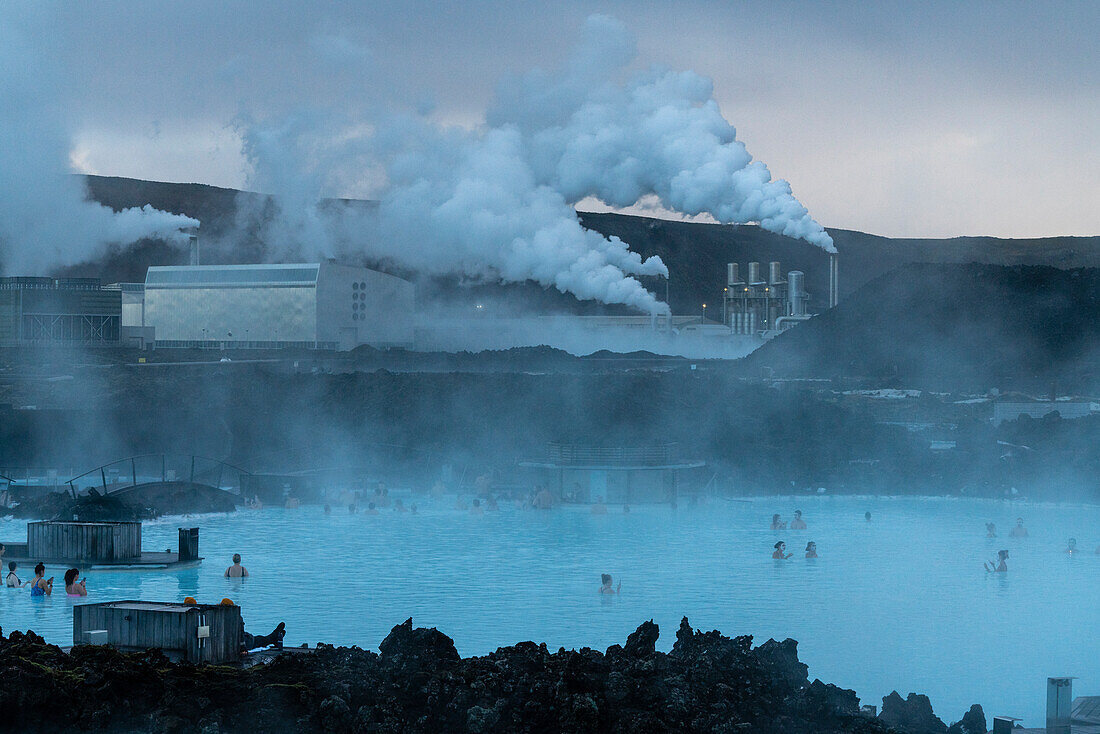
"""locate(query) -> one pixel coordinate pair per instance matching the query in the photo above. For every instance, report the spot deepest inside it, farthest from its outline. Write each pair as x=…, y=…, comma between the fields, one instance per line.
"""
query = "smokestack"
x=832, y=280
x=775, y=277
x=1059, y=705
x=733, y=276
x=193, y=245
x=796, y=294
x=754, y=274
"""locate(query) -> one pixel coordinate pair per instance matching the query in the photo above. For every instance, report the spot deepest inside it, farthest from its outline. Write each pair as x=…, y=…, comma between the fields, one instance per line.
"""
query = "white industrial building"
x=318, y=305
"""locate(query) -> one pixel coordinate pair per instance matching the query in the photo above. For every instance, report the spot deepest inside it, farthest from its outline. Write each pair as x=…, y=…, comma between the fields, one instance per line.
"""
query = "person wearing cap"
x=811, y=550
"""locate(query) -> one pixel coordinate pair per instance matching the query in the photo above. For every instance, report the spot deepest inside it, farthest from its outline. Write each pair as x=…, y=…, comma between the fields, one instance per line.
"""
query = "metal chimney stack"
x=775, y=275
x=733, y=277
x=193, y=246
x=796, y=292
x=1059, y=705
x=832, y=280
x=754, y=274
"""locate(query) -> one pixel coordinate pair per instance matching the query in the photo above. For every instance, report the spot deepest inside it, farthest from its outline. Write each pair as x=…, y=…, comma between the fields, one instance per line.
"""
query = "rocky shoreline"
x=419, y=683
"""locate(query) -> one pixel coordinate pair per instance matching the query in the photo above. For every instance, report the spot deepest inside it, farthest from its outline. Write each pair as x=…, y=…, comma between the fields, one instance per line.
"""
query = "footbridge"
x=159, y=472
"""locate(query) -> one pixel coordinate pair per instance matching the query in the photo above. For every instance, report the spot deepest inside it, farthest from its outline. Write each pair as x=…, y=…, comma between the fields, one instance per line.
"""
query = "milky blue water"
x=899, y=603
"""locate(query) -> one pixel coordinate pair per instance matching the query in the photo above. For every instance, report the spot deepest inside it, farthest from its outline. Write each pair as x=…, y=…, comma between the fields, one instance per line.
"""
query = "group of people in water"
x=1000, y=565
x=42, y=586
x=797, y=523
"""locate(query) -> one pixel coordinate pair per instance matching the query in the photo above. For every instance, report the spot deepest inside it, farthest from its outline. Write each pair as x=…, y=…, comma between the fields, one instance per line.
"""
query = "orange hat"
x=227, y=603
x=191, y=601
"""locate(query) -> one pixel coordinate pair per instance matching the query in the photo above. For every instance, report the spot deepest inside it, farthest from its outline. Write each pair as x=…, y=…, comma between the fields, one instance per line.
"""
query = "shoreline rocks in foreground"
x=419, y=683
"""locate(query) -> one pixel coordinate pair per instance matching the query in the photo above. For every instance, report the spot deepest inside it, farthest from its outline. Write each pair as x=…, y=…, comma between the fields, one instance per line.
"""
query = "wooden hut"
x=84, y=541
x=200, y=633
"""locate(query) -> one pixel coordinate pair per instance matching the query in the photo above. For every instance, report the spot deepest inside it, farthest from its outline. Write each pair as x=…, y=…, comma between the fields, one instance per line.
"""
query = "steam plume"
x=497, y=202
x=45, y=218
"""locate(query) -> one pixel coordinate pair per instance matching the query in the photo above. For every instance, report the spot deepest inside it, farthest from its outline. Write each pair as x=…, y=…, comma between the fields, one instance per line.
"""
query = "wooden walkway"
x=147, y=561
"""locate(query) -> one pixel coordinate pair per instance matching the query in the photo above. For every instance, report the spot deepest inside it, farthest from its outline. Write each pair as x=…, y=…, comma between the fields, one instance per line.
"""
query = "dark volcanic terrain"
x=418, y=683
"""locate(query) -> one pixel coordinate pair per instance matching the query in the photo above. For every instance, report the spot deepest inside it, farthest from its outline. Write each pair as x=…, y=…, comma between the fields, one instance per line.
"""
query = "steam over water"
x=901, y=602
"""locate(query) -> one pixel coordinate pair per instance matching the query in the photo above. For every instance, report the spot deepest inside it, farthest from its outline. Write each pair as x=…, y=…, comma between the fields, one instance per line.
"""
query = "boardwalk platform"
x=99, y=546
x=147, y=561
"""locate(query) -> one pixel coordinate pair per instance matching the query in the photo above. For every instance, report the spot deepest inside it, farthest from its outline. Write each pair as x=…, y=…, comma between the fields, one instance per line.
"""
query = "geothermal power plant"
x=328, y=305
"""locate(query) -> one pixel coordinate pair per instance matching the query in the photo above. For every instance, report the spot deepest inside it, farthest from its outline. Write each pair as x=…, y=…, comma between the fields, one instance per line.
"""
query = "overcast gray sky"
x=903, y=119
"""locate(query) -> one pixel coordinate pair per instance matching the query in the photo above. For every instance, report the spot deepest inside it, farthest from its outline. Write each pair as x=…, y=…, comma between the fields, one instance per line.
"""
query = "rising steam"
x=45, y=218
x=498, y=202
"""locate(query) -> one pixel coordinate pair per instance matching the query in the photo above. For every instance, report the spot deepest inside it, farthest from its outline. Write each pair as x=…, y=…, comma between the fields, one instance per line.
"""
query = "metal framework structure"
x=69, y=327
x=197, y=469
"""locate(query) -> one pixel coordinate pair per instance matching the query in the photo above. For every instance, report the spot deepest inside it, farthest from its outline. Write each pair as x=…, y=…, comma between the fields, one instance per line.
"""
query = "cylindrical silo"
x=774, y=275
x=754, y=274
x=796, y=292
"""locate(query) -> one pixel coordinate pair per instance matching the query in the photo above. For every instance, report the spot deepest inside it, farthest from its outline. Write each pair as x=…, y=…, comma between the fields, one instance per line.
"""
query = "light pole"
x=704, y=314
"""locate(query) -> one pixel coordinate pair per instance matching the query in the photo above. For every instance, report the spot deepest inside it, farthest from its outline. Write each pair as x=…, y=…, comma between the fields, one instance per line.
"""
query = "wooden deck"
x=147, y=561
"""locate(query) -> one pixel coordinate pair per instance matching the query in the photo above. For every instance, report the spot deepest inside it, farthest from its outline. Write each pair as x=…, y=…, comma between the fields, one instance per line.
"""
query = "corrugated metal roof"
x=230, y=275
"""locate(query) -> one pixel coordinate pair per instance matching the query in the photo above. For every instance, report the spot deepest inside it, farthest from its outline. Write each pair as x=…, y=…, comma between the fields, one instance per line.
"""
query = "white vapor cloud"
x=497, y=201
x=45, y=217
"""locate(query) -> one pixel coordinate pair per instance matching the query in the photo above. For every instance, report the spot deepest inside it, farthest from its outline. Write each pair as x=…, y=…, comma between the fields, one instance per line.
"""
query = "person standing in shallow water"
x=780, y=553
x=1019, y=531
x=778, y=524
x=236, y=571
x=798, y=523
x=990, y=530
x=999, y=565
x=811, y=550
x=605, y=585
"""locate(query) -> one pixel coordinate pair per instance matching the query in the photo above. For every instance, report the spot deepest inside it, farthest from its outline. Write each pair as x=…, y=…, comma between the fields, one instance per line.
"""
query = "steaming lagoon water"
x=901, y=602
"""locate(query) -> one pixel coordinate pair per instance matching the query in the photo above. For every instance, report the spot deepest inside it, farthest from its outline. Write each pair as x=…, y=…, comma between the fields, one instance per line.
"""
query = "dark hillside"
x=953, y=327
x=695, y=253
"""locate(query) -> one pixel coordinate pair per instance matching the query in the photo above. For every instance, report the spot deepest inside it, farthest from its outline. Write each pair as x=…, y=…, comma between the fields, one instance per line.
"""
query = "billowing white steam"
x=45, y=219
x=660, y=134
x=498, y=201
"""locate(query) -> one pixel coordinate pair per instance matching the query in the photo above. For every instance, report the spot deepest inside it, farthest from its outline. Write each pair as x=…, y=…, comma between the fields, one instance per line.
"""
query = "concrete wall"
x=359, y=306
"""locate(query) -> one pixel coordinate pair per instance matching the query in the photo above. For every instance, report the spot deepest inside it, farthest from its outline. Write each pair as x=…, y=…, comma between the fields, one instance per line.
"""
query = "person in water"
x=605, y=585
x=867, y=516
x=777, y=524
x=1019, y=531
x=1071, y=548
x=990, y=530
x=780, y=553
x=811, y=550
x=543, y=499
x=475, y=507
x=12, y=580
x=371, y=509
x=236, y=571
x=999, y=565
x=798, y=523
x=74, y=587
x=41, y=586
